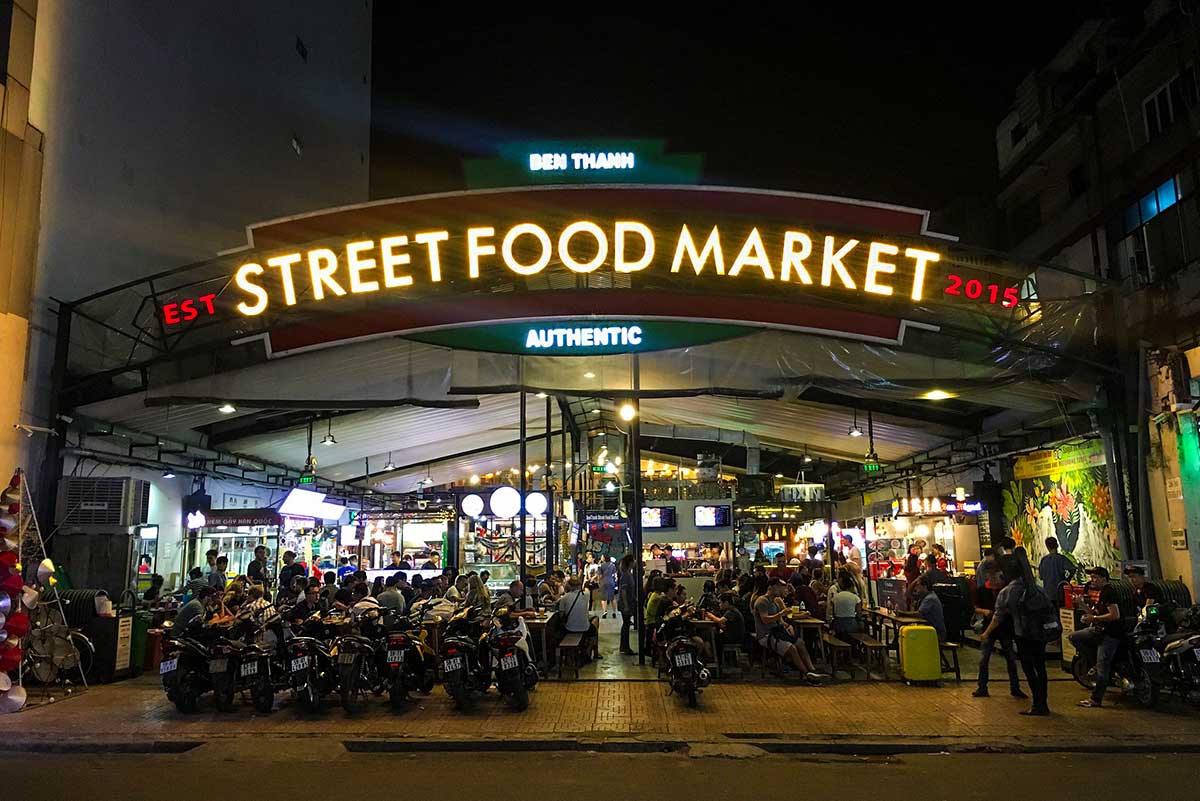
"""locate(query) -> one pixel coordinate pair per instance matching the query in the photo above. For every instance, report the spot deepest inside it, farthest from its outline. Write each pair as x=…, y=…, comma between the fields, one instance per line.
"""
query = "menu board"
x=658, y=517
x=714, y=516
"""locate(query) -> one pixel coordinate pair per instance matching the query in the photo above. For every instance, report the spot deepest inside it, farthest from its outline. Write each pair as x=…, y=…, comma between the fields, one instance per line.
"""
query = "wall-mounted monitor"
x=658, y=517
x=714, y=516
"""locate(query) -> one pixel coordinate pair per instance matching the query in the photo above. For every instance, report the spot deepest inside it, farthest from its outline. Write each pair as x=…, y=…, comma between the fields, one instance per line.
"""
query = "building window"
x=1150, y=246
x=1168, y=103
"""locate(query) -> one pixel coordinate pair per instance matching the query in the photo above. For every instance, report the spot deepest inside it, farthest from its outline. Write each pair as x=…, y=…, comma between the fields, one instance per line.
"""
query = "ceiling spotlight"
x=628, y=412
x=589, y=374
x=854, y=430
x=168, y=474
x=779, y=475
x=617, y=461
x=328, y=439
x=390, y=464
x=807, y=459
x=474, y=479
x=597, y=411
x=425, y=482
x=226, y=408
x=610, y=468
x=610, y=487
x=937, y=394
x=540, y=395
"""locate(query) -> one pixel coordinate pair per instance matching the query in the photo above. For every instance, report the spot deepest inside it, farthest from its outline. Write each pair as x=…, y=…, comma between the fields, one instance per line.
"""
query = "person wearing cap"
x=1144, y=592
x=1104, y=633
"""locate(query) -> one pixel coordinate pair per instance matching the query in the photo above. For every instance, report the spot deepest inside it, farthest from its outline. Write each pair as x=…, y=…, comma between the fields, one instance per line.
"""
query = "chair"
x=837, y=649
x=873, y=650
x=731, y=660
x=951, y=649
x=570, y=646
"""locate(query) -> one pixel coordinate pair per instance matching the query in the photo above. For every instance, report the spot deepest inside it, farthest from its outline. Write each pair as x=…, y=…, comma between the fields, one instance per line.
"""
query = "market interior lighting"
x=390, y=464
x=540, y=395
x=589, y=374
x=628, y=412
x=536, y=504
x=779, y=475
x=937, y=395
x=854, y=430
x=505, y=503
x=610, y=487
x=474, y=479
x=329, y=439
x=227, y=408
x=168, y=474
x=610, y=468
x=472, y=505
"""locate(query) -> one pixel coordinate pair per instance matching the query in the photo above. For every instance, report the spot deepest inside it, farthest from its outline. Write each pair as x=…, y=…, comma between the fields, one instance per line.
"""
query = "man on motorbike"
x=307, y=606
x=1144, y=592
x=1103, y=636
x=204, y=601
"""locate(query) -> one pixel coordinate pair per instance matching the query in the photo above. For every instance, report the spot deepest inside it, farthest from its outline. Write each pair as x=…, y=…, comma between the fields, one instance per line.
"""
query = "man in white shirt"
x=457, y=590
x=574, y=607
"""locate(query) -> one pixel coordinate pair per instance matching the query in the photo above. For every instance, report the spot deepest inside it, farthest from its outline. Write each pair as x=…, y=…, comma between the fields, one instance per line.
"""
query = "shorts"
x=607, y=593
x=775, y=644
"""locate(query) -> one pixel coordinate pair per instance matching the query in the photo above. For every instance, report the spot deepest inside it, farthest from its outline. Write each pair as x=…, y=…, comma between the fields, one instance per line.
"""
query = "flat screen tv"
x=714, y=516
x=658, y=517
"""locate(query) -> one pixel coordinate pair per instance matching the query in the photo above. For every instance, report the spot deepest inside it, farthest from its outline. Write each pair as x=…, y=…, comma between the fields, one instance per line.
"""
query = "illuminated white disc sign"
x=505, y=502
x=472, y=505
x=535, y=504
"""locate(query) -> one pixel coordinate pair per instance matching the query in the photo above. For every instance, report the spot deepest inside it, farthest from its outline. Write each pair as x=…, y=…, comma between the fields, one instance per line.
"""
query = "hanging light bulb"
x=328, y=439
x=854, y=430
x=390, y=464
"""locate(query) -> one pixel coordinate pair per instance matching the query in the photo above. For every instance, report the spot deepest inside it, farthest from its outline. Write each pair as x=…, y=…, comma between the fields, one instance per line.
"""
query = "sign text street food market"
x=807, y=261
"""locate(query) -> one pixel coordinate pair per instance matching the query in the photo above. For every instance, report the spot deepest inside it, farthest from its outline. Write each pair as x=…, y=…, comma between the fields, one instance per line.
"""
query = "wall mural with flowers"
x=1064, y=493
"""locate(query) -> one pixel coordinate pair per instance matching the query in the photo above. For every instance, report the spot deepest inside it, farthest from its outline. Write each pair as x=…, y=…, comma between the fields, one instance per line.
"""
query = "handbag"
x=557, y=627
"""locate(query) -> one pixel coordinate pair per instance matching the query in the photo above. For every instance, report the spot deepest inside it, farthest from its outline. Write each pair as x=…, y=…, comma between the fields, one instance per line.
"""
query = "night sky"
x=856, y=102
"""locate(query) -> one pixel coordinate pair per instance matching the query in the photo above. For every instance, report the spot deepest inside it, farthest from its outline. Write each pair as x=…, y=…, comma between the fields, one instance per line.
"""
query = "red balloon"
x=13, y=586
x=17, y=624
x=10, y=658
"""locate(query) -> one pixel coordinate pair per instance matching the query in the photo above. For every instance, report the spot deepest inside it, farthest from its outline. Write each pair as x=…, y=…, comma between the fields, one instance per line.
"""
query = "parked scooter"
x=309, y=664
x=357, y=651
x=184, y=665
x=1181, y=656
x=409, y=662
x=516, y=675
x=684, y=669
x=466, y=657
x=237, y=662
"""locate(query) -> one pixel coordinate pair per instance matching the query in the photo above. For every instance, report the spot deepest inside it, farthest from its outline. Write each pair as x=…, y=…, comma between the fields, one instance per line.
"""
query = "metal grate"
x=103, y=502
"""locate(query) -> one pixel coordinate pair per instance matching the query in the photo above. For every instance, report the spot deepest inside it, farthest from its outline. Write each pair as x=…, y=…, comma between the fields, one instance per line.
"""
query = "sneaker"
x=1019, y=694
x=1088, y=703
x=980, y=692
x=813, y=679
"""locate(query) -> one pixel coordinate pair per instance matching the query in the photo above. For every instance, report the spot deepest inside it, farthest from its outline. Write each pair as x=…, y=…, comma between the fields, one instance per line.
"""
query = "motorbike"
x=409, y=662
x=1151, y=658
x=184, y=665
x=516, y=675
x=357, y=652
x=684, y=670
x=1181, y=657
x=308, y=662
x=466, y=657
x=239, y=663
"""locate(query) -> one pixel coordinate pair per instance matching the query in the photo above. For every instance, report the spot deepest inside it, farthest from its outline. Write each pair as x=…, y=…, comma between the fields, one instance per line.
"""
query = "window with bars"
x=1168, y=103
x=1154, y=234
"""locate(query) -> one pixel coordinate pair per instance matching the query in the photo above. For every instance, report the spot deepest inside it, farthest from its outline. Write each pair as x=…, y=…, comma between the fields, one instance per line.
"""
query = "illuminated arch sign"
x=581, y=338
x=581, y=265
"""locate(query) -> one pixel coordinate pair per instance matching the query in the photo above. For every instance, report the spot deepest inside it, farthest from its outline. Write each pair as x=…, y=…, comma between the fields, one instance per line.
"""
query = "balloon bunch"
x=15, y=596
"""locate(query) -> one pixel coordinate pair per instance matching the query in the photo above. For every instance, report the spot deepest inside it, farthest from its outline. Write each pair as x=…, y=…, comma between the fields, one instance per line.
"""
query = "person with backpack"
x=1034, y=621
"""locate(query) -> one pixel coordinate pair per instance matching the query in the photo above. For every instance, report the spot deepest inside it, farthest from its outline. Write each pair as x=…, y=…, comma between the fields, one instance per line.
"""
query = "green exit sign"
x=307, y=480
x=598, y=468
x=871, y=467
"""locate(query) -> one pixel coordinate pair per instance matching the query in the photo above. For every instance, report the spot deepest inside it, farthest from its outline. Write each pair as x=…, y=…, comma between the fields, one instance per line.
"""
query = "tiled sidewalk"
x=137, y=709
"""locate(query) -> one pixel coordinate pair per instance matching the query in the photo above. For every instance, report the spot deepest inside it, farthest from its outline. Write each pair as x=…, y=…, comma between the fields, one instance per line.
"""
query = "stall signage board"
x=583, y=161
x=581, y=338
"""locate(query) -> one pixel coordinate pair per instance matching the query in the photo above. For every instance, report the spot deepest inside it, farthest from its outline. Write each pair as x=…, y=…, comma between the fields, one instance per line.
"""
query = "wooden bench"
x=951, y=648
x=570, y=646
x=837, y=648
x=731, y=660
x=873, y=649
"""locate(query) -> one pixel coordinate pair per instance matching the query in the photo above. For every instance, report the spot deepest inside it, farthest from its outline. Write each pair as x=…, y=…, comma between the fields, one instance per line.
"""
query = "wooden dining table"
x=538, y=626
x=884, y=620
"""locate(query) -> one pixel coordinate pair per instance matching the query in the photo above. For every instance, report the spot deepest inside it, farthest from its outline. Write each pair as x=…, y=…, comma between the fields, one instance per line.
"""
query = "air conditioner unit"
x=103, y=502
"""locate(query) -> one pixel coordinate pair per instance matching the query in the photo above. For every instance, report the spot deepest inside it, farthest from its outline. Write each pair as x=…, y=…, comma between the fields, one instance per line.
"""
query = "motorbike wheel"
x=309, y=695
x=185, y=695
x=458, y=692
x=1084, y=671
x=350, y=687
x=397, y=692
x=263, y=696
x=224, y=690
x=1145, y=690
x=520, y=696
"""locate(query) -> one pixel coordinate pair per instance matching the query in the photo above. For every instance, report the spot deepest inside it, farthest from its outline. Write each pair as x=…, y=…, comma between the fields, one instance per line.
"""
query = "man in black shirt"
x=288, y=572
x=1103, y=636
x=733, y=625
x=1143, y=591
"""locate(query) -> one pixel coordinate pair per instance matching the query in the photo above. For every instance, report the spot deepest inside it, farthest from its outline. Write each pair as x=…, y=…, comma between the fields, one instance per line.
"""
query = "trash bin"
x=154, y=646
x=137, y=645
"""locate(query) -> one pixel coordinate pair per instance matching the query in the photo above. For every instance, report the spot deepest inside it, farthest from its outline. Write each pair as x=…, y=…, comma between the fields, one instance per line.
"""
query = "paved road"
x=322, y=769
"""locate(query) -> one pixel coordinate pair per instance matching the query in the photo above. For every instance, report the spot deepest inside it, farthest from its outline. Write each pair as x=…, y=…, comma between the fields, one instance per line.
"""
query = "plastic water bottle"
x=803, y=607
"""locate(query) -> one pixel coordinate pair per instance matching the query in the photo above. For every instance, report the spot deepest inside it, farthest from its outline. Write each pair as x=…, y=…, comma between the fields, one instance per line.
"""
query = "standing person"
x=144, y=563
x=912, y=564
x=1102, y=638
x=781, y=570
x=1016, y=601
x=934, y=573
x=607, y=576
x=344, y=568
x=397, y=561
x=405, y=588
x=999, y=636
x=256, y=571
x=853, y=555
x=210, y=562
x=216, y=578
x=591, y=577
x=627, y=598
x=1054, y=569
x=290, y=570
x=942, y=558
